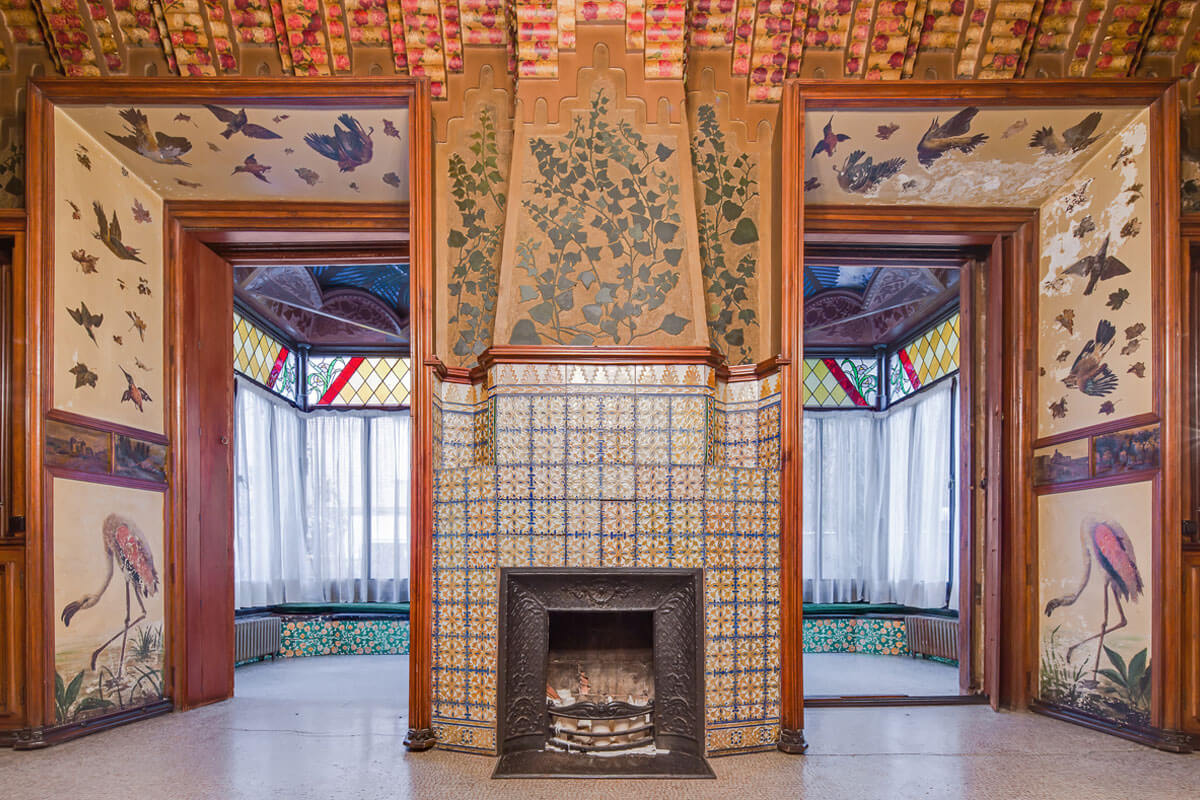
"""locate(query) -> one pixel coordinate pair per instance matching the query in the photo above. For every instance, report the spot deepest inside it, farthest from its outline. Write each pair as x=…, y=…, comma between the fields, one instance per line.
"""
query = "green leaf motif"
x=477, y=186
x=728, y=234
x=600, y=237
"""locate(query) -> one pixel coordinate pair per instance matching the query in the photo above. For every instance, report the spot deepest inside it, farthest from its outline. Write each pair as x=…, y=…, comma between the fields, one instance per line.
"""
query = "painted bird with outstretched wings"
x=110, y=233
x=1090, y=373
x=159, y=147
x=349, y=146
x=134, y=393
x=237, y=122
x=860, y=174
x=86, y=320
x=1098, y=267
x=1075, y=138
x=954, y=134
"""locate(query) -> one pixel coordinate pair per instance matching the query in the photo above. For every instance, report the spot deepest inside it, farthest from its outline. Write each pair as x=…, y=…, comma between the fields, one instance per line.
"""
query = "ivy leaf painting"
x=604, y=203
x=477, y=189
x=728, y=233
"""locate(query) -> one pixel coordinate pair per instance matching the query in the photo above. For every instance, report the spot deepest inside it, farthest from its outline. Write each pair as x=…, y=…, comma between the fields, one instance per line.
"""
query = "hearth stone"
x=601, y=673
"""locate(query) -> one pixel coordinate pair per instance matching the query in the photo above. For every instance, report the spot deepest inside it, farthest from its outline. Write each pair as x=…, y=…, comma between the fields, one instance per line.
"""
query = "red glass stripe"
x=280, y=360
x=340, y=381
x=845, y=382
x=909, y=369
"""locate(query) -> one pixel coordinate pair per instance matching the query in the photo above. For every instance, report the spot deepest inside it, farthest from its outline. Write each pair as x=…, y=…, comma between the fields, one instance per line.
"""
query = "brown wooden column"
x=791, y=427
x=420, y=664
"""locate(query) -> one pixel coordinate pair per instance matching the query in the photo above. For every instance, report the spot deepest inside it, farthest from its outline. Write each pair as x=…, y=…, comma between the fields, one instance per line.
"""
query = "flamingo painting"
x=1106, y=542
x=126, y=546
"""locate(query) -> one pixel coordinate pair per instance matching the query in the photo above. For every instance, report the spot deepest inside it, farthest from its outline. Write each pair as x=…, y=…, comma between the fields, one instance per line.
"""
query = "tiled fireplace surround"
x=598, y=465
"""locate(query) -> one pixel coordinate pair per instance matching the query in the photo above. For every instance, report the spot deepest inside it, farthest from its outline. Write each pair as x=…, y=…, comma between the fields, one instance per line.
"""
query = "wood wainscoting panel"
x=1189, y=641
x=12, y=641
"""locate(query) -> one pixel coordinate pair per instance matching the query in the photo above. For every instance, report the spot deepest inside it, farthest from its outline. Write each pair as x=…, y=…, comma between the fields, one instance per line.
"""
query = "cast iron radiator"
x=932, y=636
x=255, y=637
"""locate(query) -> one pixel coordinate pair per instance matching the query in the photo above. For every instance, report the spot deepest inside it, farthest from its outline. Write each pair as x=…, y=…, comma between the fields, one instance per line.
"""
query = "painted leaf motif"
x=674, y=324
x=746, y=232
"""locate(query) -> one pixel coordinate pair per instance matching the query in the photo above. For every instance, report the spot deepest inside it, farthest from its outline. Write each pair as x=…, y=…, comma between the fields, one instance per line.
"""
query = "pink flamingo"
x=1110, y=545
x=126, y=545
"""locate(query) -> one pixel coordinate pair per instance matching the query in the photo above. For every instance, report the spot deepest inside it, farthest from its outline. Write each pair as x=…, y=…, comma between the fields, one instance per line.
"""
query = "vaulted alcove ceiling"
x=861, y=306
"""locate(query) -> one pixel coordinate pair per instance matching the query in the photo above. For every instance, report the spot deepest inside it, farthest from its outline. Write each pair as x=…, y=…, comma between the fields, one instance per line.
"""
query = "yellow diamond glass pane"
x=378, y=381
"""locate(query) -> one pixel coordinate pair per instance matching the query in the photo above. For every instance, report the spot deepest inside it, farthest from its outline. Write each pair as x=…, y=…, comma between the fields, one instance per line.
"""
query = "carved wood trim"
x=845, y=94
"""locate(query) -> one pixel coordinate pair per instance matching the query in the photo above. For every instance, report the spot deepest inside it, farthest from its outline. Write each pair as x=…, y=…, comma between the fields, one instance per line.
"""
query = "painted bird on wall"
x=1107, y=543
x=158, y=147
x=1075, y=138
x=86, y=320
x=829, y=140
x=126, y=546
x=236, y=122
x=1098, y=267
x=251, y=167
x=134, y=393
x=110, y=234
x=955, y=134
x=861, y=176
x=349, y=146
x=1090, y=373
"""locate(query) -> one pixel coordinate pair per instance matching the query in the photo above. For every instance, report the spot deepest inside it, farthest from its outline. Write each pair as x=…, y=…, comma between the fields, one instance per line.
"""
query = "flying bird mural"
x=134, y=393
x=86, y=320
x=349, y=146
x=1090, y=373
x=829, y=140
x=159, y=147
x=251, y=167
x=955, y=134
x=1098, y=267
x=110, y=233
x=1105, y=542
x=1075, y=138
x=860, y=174
x=237, y=122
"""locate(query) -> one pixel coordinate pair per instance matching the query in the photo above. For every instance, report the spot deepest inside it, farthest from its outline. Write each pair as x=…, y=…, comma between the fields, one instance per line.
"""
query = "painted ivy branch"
x=730, y=186
x=607, y=207
x=477, y=187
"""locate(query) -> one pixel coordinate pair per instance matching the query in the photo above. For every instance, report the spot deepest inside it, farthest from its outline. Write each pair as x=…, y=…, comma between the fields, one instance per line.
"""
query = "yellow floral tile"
x=617, y=551
x=687, y=551
x=617, y=518
x=583, y=551
x=549, y=551
x=514, y=551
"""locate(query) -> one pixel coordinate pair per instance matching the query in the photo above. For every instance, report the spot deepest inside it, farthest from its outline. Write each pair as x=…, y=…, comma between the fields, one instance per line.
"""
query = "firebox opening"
x=600, y=657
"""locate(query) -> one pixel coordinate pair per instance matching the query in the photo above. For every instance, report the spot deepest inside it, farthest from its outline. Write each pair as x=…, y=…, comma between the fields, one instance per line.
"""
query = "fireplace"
x=600, y=673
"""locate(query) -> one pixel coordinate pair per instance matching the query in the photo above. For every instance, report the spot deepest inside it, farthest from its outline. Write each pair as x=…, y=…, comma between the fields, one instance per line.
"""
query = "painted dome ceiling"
x=863, y=306
x=334, y=306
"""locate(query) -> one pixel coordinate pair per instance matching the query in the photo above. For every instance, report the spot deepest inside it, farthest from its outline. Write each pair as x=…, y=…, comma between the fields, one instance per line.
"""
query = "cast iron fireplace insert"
x=601, y=673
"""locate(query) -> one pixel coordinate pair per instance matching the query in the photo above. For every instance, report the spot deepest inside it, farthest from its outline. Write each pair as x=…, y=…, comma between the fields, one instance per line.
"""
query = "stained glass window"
x=841, y=382
x=358, y=381
x=929, y=357
x=264, y=359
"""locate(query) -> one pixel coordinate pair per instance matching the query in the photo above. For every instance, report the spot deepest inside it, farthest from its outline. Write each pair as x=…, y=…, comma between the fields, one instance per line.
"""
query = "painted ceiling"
x=347, y=306
x=999, y=156
x=199, y=152
x=866, y=306
x=765, y=42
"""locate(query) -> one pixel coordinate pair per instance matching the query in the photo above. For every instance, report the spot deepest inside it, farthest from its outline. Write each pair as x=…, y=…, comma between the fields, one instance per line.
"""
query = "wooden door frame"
x=219, y=224
x=1010, y=643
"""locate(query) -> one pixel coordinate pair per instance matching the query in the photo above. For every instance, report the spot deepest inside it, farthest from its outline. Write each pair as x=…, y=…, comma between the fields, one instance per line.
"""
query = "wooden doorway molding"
x=1009, y=630
x=200, y=237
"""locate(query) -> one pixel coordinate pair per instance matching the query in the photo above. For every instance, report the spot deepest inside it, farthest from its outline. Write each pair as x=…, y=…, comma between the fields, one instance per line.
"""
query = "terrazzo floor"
x=859, y=674
x=331, y=728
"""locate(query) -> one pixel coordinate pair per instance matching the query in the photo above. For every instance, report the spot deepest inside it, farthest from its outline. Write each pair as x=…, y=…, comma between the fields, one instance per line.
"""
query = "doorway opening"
x=883, y=433
x=322, y=474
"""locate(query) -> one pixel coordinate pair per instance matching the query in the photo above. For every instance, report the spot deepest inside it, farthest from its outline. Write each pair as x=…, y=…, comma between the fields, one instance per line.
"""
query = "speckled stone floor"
x=857, y=674
x=331, y=729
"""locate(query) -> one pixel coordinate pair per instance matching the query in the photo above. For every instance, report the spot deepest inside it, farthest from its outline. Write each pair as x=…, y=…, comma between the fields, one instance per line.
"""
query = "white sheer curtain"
x=321, y=503
x=878, y=524
x=269, y=551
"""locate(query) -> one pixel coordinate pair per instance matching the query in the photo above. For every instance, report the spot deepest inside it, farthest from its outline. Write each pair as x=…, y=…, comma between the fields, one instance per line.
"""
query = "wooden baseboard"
x=1169, y=740
x=38, y=738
